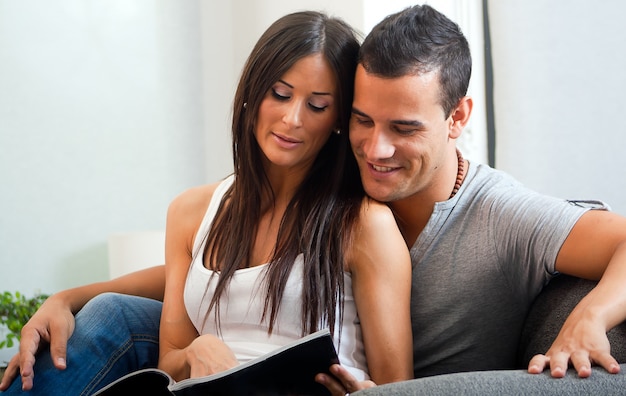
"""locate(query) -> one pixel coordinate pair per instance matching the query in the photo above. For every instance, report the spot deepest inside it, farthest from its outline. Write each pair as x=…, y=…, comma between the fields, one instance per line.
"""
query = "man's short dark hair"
x=419, y=40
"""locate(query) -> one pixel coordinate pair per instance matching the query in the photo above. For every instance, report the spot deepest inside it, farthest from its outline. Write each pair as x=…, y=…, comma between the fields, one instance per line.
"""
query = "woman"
x=291, y=230
x=289, y=244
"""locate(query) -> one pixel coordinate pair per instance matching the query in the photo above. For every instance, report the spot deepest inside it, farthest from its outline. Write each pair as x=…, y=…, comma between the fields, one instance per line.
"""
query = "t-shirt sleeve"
x=529, y=229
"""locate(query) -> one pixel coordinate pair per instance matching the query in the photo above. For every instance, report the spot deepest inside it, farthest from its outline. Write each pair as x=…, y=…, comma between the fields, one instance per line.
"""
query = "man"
x=482, y=245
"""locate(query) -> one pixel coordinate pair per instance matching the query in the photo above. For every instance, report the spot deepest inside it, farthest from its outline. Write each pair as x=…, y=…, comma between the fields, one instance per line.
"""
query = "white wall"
x=100, y=119
x=559, y=95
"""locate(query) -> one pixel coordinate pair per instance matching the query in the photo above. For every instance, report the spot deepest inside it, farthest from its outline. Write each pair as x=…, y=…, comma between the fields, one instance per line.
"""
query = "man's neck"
x=413, y=213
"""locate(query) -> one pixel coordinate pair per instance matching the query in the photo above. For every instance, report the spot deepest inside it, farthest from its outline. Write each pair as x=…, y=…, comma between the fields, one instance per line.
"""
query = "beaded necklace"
x=460, y=174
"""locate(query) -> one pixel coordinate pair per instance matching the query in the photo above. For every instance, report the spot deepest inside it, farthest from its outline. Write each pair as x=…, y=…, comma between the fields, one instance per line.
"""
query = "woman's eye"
x=317, y=108
x=278, y=95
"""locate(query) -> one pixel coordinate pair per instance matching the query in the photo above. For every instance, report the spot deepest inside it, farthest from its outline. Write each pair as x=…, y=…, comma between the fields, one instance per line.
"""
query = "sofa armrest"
x=548, y=312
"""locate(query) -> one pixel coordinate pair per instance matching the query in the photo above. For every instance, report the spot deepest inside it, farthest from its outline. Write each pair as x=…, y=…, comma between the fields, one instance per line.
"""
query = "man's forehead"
x=397, y=97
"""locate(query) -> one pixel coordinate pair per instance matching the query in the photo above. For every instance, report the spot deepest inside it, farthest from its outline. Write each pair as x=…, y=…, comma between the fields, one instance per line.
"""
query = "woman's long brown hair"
x=318, y=221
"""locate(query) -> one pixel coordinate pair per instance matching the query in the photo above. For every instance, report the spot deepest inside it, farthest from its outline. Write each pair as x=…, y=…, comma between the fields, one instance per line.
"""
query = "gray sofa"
x=542, y=325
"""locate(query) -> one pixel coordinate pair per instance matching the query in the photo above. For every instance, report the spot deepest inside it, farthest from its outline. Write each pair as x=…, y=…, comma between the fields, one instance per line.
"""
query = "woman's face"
x=297, y=114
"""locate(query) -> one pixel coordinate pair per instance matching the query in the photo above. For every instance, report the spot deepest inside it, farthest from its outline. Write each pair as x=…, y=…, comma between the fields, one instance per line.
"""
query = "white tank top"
x=241, y=306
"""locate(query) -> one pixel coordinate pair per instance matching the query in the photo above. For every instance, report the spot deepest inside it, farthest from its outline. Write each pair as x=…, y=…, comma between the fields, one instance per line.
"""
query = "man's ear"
x=460, y=116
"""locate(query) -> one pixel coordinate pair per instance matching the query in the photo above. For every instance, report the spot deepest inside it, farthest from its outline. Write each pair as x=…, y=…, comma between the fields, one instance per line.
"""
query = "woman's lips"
x=285, y=141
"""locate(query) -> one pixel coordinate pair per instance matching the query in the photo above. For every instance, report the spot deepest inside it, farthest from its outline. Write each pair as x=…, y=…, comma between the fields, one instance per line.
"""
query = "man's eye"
x=362, y=121
x=405, y=131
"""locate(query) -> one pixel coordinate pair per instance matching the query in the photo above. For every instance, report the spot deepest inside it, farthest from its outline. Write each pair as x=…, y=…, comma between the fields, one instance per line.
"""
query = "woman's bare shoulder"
x=191, y=205
x=375, y=214
x=376, y=237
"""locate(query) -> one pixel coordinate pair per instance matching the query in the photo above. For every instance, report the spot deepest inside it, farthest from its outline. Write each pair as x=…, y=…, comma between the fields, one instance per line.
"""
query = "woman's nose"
x=293, y=114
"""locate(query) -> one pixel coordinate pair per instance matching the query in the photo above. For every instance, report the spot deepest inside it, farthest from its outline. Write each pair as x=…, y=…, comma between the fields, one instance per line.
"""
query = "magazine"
x=288, y=370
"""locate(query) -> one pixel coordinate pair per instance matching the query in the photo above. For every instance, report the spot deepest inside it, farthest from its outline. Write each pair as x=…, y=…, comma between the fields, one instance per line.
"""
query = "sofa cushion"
x=549, y=311
x=505, y=382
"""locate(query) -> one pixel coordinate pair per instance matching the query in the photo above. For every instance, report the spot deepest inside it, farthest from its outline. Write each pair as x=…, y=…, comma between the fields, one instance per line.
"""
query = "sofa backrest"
x=549, y=311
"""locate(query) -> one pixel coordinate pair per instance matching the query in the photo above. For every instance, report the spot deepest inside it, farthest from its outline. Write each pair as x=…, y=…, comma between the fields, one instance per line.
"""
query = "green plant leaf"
x=15, y=310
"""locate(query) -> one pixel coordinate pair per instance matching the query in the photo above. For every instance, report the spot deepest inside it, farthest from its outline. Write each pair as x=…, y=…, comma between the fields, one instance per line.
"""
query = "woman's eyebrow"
x=314, y=92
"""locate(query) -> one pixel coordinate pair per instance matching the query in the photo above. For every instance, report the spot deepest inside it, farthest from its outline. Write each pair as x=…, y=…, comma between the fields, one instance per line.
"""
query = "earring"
x=245, y=105
x=337, y=131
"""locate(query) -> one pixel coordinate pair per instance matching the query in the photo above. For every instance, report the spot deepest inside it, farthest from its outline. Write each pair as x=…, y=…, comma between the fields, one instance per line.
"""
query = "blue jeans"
x=114, y=335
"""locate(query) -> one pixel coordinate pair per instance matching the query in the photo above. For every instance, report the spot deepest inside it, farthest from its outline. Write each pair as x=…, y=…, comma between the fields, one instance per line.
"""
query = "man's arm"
x=54, y=321
x=595, y=249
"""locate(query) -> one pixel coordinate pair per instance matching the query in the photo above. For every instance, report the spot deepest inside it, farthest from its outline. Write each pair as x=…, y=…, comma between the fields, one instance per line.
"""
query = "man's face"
x=399, y=134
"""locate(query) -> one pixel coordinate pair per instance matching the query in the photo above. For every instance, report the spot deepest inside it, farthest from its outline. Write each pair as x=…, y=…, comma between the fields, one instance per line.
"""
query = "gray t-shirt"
x=478, y=264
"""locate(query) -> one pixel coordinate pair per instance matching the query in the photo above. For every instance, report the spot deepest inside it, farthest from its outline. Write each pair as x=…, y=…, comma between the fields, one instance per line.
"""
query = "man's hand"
x=53, y=323
x=342, y=382
x=581, y=342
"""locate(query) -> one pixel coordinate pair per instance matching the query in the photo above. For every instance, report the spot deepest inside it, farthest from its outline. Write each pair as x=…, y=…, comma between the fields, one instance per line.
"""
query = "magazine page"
x=152, y=382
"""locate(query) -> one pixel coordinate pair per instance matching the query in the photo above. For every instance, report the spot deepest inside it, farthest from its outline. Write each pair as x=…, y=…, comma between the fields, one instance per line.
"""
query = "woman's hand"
x=341, y=382
x=207, y=355
x=53, y=323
